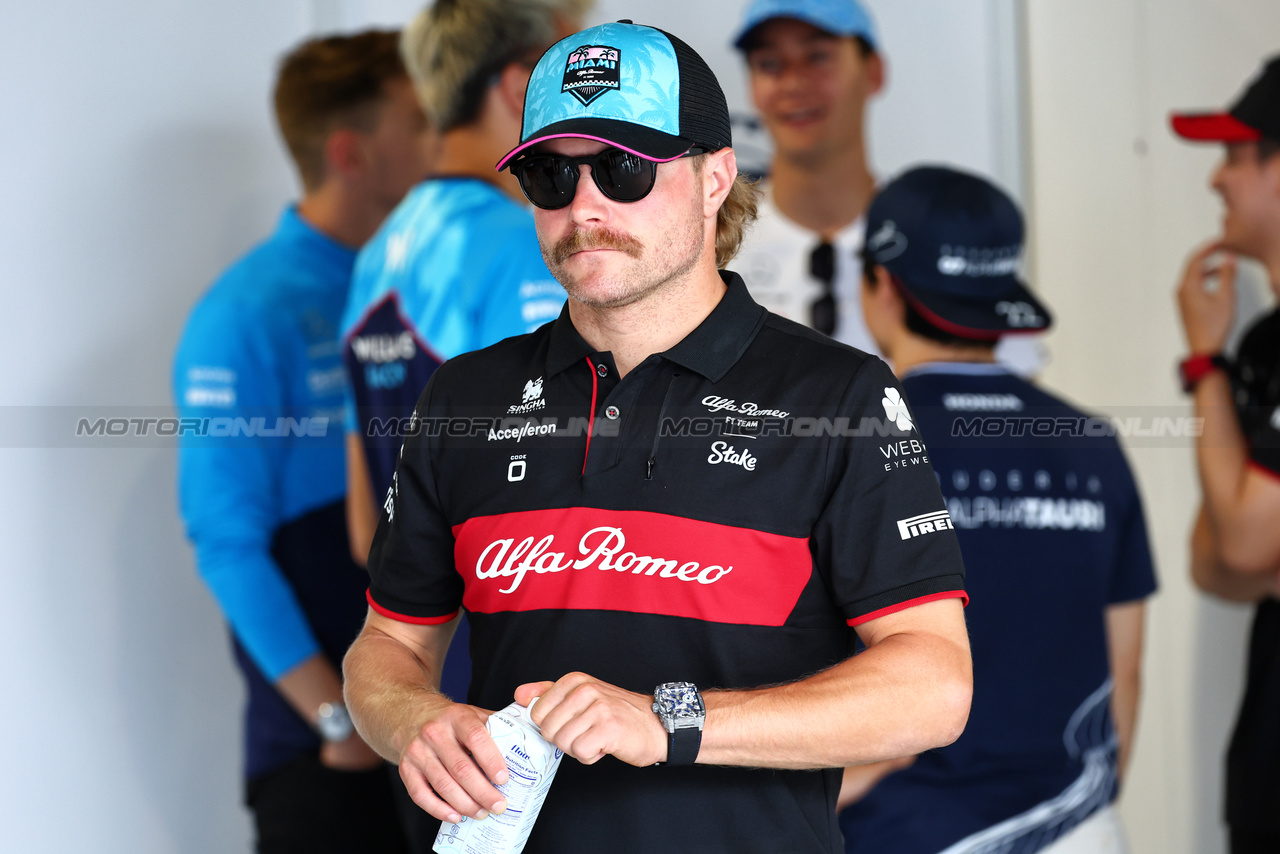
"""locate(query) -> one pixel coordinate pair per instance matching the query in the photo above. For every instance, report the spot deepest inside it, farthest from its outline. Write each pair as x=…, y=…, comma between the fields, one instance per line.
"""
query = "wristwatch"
x=333, y=722
x=680, y=707
x=1196, y=367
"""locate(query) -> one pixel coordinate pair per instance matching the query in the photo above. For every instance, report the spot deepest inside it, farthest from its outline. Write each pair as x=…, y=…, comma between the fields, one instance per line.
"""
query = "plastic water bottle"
x=531, y=764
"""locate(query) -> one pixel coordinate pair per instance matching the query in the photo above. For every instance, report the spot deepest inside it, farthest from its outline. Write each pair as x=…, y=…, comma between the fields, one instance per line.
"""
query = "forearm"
x=1124, y=712
x=362, y=513
x=1222, y=460
x=392, y=690
x=313, y=682
x=907, y=694
x=1213, y=577
x=858, y=780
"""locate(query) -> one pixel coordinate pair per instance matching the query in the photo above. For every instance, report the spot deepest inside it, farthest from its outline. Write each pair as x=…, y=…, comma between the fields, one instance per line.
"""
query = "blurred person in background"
x=814, y=66
x=457, y=266
x=264, y=506
x=1235, y=545
x=1051, y=529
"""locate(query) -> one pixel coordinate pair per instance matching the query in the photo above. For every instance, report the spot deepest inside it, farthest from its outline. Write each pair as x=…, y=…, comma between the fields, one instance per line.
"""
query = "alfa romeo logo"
x=591, y=71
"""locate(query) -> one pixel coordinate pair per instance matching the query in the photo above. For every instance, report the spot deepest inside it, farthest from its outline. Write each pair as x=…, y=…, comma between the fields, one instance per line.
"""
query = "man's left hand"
x=587, y=719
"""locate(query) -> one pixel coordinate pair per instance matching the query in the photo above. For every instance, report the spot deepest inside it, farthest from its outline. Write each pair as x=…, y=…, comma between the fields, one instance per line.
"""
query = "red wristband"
x=1198, y=366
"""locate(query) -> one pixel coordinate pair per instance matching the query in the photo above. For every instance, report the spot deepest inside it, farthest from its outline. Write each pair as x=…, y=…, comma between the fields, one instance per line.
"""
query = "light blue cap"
x=634, y=87
x=838, y=17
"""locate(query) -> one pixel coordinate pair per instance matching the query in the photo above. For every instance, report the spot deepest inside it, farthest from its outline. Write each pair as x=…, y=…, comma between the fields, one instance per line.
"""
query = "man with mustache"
x=669, y=515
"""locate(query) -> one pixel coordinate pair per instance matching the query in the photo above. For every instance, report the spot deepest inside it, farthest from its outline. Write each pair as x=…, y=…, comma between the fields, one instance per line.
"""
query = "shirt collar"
x=710, y=350
x=292, y=227
x=969, y=369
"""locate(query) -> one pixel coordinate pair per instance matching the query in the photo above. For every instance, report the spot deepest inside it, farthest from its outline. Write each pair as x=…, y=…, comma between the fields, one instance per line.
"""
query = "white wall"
x=1118, y=204
x=140, y=161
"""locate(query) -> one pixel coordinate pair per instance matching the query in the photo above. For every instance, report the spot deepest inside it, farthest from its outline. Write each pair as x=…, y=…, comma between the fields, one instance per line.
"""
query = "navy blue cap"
x=837, y=17
x=953, y=243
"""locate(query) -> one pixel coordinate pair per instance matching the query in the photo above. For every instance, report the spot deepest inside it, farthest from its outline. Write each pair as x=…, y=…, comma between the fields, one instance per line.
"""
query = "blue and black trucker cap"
x=634, y=87
x=1254, y=115
x=847, y=18
x=953, y=243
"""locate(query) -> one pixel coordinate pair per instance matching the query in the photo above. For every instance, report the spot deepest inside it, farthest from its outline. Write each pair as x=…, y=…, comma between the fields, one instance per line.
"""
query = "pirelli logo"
x=926, y=523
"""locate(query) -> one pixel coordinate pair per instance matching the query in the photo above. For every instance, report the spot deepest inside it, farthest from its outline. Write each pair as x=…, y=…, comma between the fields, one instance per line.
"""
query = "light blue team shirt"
x=259, y=370
x=456, y=267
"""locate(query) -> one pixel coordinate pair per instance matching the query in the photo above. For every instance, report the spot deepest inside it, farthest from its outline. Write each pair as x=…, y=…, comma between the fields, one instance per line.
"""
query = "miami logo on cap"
x=591, y=71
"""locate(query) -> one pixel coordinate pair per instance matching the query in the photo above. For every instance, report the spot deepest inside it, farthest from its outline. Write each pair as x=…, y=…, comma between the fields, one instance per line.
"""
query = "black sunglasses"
x=549, y=181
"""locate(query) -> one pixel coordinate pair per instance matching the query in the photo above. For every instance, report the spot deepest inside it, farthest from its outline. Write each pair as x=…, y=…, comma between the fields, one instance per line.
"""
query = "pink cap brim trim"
x=519, y=148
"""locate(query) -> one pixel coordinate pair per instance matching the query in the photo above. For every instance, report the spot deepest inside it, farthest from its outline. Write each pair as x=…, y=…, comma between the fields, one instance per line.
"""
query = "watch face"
x=679, y=700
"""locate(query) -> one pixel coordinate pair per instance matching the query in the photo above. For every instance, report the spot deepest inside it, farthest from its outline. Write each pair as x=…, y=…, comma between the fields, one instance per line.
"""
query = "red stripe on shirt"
x=591, y=418
x=1274, y=475
x=404, y=618
x=910, y=603
x=584, y=558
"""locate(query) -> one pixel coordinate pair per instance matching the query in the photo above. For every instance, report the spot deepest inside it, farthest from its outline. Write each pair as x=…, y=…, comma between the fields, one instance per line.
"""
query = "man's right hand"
x=1206, y=299
x=451, y=766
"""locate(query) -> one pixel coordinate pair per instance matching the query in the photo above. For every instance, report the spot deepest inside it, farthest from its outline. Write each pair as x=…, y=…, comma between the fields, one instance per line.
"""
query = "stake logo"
x=591, y=71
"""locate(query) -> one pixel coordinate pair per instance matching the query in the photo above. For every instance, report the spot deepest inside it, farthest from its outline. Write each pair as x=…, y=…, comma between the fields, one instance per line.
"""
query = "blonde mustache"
x=596, y=238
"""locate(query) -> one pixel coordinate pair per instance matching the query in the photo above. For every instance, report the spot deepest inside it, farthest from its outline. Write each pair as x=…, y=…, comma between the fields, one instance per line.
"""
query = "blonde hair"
x=734, y=218
x=454, y=48
x=736, y=214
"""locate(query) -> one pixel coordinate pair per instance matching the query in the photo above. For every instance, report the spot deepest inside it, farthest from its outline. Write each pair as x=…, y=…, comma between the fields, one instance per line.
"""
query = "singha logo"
x=532, y=390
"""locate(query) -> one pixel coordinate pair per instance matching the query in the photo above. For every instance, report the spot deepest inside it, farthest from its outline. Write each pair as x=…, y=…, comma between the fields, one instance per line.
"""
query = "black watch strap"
x=683, y=745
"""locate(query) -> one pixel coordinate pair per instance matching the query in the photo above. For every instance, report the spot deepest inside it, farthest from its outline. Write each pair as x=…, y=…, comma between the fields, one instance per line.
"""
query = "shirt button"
x=602, y=370
x=612, y=413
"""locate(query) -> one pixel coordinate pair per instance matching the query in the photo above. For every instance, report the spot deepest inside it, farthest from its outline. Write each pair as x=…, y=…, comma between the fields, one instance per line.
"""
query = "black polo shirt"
x=1253, y=759
x=722, y=515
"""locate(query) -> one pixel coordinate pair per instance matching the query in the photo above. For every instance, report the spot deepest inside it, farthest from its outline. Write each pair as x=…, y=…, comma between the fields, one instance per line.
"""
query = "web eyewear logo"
x=591, y=71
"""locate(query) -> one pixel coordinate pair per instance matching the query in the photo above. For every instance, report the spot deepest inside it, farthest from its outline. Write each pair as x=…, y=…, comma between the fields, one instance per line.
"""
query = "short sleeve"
x=885, y=535
x=411, y=564
x=1264, y=443
x=1254, y=381
x=1133, y=576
